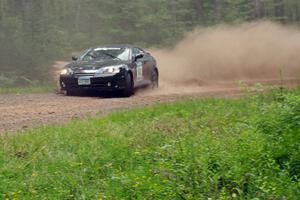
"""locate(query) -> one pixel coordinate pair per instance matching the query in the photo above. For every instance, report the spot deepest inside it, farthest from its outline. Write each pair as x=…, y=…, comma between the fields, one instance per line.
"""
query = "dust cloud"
x=224, y=54
x=251, y=51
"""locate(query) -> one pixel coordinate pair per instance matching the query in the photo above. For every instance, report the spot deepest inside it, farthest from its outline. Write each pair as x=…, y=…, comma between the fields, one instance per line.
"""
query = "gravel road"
x=23, y=111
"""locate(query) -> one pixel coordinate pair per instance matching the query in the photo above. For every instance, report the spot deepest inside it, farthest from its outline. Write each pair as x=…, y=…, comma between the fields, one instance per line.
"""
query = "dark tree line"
x=34, y=33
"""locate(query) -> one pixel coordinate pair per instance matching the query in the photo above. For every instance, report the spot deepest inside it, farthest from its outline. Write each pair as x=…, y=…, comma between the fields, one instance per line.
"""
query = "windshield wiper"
x=112, y=56
x=89, y=54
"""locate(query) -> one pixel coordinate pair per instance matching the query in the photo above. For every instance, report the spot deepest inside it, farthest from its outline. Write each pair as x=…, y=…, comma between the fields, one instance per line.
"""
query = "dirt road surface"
x=20, y=112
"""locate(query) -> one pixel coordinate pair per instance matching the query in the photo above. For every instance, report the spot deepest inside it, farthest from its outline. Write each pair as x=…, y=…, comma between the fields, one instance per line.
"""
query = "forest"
x=35, y=33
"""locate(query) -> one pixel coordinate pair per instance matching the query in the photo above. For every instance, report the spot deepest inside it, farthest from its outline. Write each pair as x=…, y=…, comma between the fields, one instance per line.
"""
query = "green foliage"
x=198, y=149
x=281, y=124
x=15, y=81
x=35, y=33
x=28, y=89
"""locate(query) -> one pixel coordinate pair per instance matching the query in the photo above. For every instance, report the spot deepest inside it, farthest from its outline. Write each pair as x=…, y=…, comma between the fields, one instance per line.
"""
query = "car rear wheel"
x=154, y=79
x=128, y=91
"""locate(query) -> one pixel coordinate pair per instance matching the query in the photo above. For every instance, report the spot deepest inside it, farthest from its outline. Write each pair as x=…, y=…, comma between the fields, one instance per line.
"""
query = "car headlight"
x=66, y=71
x=110, y=70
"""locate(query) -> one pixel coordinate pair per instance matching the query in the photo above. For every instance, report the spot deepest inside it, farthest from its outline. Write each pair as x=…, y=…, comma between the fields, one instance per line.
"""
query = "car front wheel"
x=71, y=93
x=128, y=91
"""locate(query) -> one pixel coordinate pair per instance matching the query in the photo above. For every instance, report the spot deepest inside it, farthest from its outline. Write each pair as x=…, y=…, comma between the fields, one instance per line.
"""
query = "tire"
x=128, y=91
x=72, y=93
x=154, y=79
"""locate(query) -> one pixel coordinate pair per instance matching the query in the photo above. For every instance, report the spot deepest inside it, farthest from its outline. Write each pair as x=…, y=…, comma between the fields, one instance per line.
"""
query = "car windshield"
x=103, y=53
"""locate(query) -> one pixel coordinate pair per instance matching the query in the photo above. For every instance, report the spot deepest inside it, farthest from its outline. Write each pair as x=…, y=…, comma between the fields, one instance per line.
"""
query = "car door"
x=148, y=65
x=140, y=66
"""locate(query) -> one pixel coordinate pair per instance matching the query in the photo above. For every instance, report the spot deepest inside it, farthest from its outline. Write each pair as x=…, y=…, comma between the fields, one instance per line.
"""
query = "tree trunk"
x=217, y=8
x=2, y=3
x=279, y=10
x=200, y=11
x=258, y=9
x=78, y=16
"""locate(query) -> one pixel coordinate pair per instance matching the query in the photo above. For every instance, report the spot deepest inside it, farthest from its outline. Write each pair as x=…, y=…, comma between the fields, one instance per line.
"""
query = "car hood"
x=92, y=65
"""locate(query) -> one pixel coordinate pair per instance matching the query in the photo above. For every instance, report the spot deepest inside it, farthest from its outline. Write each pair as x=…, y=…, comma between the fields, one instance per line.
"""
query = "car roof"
x=115, y=46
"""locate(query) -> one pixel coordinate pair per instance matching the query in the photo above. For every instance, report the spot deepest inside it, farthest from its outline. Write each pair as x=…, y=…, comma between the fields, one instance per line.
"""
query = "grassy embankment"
x=244, y=148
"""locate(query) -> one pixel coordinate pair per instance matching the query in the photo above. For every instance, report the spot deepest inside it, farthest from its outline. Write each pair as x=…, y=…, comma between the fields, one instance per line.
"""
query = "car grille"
x=80, y=73
x=84, y=74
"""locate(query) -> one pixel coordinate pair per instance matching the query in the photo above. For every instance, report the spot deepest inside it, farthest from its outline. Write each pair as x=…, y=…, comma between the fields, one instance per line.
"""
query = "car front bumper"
x=108, y=83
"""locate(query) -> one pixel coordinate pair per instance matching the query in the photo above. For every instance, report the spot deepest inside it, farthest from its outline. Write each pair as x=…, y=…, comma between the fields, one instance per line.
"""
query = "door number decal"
x=139, y=71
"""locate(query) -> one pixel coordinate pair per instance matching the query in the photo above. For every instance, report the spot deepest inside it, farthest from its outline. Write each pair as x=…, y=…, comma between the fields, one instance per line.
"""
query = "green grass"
x=244, y=148
x=29, y=89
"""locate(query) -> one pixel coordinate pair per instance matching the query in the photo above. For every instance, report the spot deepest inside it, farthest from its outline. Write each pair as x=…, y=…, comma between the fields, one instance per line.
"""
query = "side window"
x=137, y=51
x=141, y=51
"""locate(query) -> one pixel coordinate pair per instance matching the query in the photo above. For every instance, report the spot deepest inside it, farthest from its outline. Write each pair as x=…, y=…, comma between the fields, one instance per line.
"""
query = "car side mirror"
x=139, y=56
x=74, y=58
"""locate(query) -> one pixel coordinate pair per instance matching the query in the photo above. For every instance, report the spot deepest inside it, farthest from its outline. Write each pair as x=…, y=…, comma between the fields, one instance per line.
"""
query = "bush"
x=280, y=121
